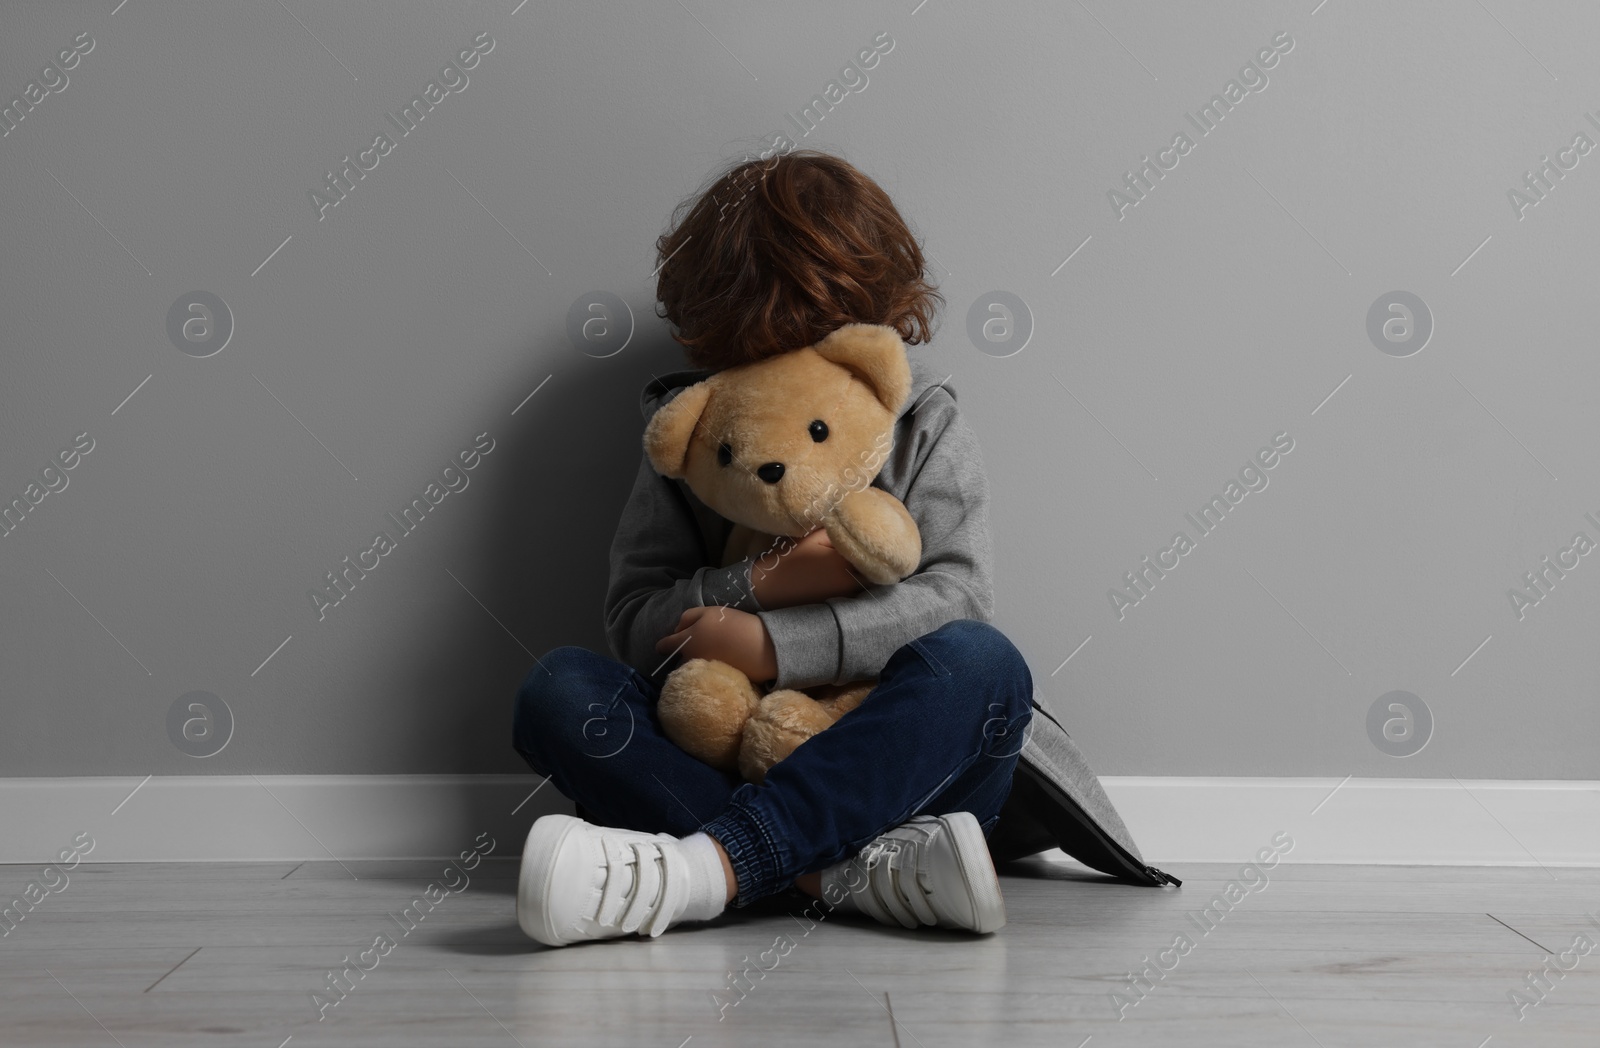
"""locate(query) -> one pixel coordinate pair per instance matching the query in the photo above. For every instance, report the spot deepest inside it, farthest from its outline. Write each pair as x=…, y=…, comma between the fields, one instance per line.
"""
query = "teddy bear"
x=781, y=446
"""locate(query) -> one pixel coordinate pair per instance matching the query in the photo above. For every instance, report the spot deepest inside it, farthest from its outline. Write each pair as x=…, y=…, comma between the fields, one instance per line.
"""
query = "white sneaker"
x=930, y=870
x=580, y=881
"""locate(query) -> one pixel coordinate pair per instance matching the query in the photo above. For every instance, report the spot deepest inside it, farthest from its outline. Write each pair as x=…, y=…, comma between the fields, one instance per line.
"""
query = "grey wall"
x=379, y=340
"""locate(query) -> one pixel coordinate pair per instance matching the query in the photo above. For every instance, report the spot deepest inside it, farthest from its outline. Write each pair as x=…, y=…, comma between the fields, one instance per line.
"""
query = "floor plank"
x=179, y=955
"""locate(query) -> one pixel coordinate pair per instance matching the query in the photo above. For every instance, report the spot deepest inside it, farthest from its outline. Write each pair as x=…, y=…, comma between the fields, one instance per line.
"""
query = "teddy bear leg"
x=703, y=707
x=782, y=722
x=839, y=699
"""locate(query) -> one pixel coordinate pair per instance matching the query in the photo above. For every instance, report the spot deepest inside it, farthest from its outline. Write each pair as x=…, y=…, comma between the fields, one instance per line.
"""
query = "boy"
x=886, y=813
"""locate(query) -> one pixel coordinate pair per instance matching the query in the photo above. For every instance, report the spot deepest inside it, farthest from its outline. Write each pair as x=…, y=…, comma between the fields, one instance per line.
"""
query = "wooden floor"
x=231, y=954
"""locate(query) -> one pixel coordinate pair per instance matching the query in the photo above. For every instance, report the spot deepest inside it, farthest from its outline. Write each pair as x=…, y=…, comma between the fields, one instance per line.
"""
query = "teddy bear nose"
x=772, y=472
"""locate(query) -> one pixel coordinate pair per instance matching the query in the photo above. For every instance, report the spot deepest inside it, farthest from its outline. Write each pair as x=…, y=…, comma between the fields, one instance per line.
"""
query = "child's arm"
x=728, y=635
x=809, y=571
x=936, y=469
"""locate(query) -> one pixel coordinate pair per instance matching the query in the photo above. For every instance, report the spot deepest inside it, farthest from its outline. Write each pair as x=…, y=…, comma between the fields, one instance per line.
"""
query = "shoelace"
x=894, y=885
x=650, y=897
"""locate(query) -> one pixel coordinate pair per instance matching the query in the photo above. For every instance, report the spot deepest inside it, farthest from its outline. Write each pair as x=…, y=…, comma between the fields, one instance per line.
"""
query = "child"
x=886, y=813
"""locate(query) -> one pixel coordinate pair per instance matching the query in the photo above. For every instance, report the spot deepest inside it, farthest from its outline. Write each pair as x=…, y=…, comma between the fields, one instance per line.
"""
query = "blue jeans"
x=940, y=733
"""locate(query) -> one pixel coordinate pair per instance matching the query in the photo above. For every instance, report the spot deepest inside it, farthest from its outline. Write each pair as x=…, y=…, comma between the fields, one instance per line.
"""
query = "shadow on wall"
x=540, y=564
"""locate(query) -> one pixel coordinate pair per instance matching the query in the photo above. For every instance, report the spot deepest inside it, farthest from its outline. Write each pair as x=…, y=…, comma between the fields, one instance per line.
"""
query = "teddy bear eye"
x=819, y=430
x=724, y=455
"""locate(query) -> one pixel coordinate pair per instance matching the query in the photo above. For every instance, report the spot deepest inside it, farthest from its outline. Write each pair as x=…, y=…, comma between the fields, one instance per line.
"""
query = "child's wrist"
x=767, y=586
x=767, y=658
x=761, y=585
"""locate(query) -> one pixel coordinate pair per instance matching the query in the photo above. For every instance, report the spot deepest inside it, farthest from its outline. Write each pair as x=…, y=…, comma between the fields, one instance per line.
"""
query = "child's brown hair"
x=778, y=252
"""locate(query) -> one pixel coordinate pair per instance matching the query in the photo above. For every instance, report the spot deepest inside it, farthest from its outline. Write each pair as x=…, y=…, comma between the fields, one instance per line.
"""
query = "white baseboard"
x=1428, y=822
x=247, y=818
x=214, y=818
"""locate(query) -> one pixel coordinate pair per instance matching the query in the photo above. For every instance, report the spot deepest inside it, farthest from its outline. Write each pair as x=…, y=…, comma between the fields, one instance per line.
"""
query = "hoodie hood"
x=663, y=388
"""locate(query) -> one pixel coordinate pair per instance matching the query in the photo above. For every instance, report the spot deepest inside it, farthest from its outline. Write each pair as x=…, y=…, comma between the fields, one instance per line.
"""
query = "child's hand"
x=728, y=635
x=811, y=572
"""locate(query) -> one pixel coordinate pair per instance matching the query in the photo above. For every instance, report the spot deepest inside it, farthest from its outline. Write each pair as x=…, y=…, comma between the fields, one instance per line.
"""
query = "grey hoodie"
x=668, y=544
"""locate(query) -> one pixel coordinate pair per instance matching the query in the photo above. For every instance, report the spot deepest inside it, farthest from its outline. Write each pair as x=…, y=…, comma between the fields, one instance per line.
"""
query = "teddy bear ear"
x=875, y=354
x=666, y=436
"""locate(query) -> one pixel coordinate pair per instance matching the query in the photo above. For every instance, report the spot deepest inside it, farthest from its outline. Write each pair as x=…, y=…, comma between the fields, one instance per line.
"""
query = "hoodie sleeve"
x=660, y=569
x=850, y=638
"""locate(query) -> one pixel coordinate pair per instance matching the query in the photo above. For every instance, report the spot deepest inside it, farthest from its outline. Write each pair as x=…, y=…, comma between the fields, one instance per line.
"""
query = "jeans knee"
x=980, y=649
x=558, y=693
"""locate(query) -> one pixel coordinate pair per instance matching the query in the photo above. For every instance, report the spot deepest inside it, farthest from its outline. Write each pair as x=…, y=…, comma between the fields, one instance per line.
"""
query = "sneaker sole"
x=545, y=839
x=977, y=871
